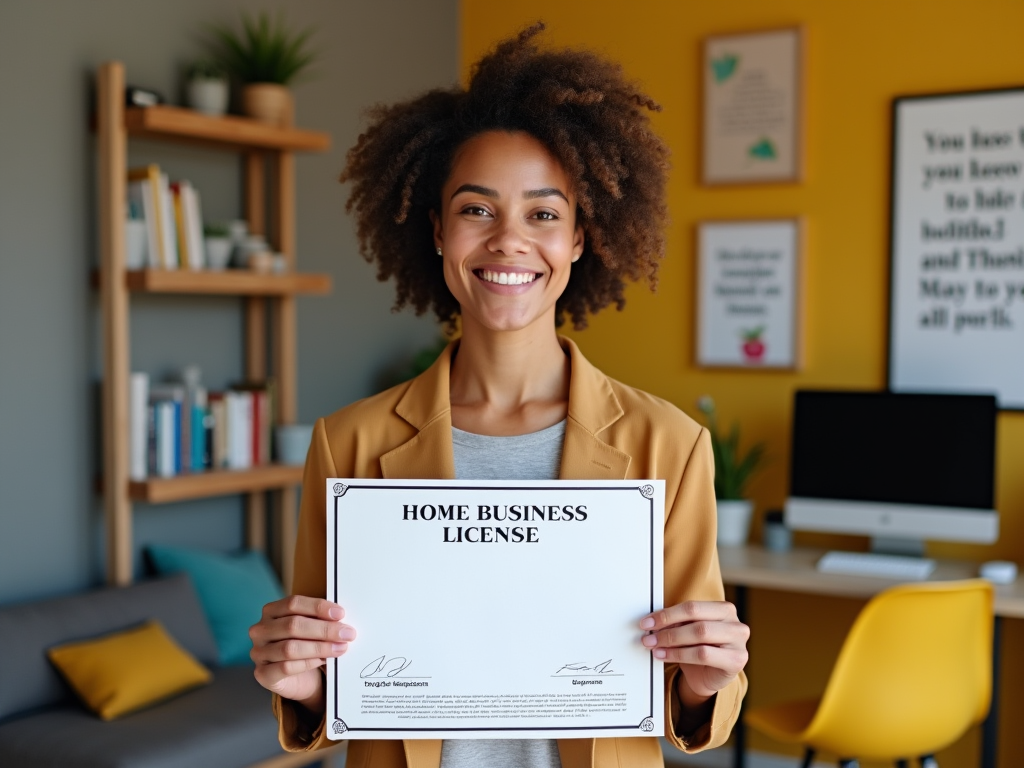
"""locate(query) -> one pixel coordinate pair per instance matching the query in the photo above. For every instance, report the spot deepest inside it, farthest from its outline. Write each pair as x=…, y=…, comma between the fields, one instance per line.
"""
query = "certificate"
x=495, y=609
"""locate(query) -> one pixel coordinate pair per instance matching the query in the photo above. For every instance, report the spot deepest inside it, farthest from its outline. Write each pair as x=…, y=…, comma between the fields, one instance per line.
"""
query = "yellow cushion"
x=128, y=670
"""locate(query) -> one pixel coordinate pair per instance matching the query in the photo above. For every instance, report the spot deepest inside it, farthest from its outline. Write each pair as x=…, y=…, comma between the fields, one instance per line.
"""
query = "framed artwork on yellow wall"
x=753, y=107
x=956, y=319
x=749, y=294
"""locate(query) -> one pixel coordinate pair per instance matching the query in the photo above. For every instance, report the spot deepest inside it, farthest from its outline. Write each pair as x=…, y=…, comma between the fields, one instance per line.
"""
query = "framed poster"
x=753, y=107
x=957, y=251
x=749, y=294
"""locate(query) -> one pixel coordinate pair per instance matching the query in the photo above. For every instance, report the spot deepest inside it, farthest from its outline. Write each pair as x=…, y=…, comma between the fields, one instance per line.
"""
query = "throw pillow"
x=232, y=588
x=128, y=670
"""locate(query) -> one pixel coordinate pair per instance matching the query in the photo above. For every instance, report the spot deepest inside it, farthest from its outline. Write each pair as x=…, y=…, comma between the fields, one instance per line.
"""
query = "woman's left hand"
x=705, y=638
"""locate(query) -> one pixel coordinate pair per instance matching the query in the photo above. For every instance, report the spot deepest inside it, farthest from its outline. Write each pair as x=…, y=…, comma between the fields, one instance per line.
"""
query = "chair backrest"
x=914, y=672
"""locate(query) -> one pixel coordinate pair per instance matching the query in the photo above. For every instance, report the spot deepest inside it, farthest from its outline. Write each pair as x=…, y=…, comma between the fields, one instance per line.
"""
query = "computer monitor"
x=901, y=468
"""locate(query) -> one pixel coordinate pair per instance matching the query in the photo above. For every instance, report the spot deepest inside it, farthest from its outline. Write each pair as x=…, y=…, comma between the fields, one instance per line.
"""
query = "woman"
x=533, y=194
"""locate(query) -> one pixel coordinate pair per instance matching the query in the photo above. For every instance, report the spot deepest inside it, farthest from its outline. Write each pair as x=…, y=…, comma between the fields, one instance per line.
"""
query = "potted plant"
x=733, y=470
x=265, y=58
x=217, y=241
x=206, y=87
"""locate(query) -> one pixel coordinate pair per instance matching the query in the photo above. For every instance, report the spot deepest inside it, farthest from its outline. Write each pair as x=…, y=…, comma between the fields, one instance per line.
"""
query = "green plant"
x=732, y=469
x=266, y=51
x=216, y=230
x=206, y=69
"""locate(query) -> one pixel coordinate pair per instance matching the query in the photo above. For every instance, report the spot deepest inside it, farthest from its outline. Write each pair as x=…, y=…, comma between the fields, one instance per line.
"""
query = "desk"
x=794, y=571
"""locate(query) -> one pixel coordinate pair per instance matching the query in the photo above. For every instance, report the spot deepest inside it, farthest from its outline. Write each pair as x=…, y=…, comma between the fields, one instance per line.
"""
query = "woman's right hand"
x=292, y=641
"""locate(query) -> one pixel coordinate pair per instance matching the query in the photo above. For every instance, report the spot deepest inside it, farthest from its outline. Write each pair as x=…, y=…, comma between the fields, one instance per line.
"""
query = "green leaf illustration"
x=763, y=150
x=725, y=67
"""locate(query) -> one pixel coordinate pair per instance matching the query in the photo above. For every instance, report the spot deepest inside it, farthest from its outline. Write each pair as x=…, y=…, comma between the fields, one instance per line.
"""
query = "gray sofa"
x=227, y=724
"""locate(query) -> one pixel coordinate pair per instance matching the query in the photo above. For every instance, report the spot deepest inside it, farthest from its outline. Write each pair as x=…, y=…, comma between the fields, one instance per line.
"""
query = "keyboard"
x=899, y=567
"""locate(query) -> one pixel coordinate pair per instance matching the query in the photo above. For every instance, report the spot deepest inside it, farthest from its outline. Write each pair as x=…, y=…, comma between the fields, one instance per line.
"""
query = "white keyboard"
x=873, y=564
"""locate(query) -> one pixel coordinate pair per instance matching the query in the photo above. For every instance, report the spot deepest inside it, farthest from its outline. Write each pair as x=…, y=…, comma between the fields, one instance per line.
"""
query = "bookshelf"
x=268, y=154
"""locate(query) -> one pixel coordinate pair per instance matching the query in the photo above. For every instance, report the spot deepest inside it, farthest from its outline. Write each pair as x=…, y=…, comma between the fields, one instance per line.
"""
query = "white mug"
x=292, y=442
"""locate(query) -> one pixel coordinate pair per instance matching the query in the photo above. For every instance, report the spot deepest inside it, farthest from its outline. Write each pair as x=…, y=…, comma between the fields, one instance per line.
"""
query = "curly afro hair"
x=588, y=115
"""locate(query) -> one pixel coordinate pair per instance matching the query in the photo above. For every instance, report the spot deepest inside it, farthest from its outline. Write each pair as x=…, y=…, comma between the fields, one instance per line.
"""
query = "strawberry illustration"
x=753, y=347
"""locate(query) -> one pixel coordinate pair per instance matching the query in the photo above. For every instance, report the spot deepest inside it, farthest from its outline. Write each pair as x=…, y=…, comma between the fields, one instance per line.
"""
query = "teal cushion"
x=232, y=588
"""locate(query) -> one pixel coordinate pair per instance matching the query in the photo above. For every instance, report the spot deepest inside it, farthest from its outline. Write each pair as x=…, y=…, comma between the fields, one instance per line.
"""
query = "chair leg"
x=808, y=758
x=848, y=763
x=929, y=761
x=902, y=764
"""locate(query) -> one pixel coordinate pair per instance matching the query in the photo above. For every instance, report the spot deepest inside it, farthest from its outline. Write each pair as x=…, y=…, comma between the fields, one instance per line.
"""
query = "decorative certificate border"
x=340, y=726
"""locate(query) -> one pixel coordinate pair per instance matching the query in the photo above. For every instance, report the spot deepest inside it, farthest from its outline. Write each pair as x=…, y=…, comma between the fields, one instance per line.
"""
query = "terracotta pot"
x=268, y=103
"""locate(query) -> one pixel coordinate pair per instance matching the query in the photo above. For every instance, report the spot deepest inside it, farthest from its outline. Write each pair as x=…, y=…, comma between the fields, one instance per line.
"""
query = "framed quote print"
x=957, y=296
x=749, y=294
x=753, y=107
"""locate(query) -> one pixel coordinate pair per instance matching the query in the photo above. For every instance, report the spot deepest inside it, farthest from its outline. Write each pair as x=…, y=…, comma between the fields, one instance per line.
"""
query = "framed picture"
x=956, y=319
x=749, y=292
x=753, y=105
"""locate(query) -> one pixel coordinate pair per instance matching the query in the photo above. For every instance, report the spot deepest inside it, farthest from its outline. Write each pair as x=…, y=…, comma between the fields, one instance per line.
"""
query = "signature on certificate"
x=382, y=666
x=586, y=670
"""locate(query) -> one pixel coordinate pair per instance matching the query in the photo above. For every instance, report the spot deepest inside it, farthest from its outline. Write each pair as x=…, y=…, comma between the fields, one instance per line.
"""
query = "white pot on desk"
x=733, y=521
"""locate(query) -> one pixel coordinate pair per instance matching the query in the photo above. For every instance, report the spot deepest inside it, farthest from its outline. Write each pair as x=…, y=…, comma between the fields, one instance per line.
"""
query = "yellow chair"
x=913, y=675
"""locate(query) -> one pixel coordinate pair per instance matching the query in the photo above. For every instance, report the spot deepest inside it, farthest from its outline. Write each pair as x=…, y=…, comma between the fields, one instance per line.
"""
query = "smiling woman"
x=536, y=193
x=587, y=116
x=507, y=232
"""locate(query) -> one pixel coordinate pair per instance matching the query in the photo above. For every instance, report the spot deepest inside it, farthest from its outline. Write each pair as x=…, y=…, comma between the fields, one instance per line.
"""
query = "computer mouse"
x=998, y=571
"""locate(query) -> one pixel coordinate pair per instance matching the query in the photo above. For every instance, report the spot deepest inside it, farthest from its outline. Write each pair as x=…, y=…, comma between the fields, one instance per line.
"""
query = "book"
x=144, y=196
x=262, y=419
x=138, y=419
x=168, y=435
x=193, y=225
x=189, y=224
x=218, y=430
x=172, y=258
x=179, y=222
x=177, y=394
x=240, y=421
x=199, y=426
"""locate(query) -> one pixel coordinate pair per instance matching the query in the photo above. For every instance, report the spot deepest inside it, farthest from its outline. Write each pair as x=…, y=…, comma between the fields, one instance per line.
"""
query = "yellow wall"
x=859, y=55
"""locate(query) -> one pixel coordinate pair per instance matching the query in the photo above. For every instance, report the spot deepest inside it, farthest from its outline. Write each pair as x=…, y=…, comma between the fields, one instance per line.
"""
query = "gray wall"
x=51, y=530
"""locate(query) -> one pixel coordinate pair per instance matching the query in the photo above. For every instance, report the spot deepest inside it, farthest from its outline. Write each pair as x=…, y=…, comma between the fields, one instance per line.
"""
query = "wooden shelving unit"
x=229, y=131
x=160, y=490
x=268, y=153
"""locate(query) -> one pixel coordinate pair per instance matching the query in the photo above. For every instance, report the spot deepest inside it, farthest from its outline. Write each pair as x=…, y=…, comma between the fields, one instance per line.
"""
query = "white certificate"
x=495, y=609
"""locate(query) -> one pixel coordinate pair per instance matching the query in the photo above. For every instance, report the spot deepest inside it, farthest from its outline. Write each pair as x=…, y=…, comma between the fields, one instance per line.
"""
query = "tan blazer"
x=613, y=432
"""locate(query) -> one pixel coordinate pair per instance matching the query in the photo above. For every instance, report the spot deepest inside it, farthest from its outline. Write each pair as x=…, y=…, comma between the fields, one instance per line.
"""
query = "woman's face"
x=507, y=231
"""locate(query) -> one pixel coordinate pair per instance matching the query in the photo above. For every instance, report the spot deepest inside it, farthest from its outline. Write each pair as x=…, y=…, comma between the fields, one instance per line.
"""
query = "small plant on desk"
x=733, y=470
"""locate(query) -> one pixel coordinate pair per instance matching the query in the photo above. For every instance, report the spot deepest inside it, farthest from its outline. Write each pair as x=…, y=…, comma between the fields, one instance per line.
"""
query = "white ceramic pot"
x=292, y=442
x=734, y=521
x=209, y=96
x=218, y=252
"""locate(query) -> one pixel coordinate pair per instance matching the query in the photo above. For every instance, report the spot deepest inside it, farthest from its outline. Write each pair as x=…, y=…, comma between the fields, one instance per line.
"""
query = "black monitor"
x=894, y=466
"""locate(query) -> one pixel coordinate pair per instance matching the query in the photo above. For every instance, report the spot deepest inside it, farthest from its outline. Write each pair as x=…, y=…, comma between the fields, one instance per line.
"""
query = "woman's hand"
x=292, y=641
x=706, y=639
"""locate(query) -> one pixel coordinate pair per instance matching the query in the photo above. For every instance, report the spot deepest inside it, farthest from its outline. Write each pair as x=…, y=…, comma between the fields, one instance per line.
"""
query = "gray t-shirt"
x=536, y=456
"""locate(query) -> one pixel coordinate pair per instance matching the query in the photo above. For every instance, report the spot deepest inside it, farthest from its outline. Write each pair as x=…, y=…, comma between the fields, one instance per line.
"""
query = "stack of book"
x=173, y=218
x=181, y=427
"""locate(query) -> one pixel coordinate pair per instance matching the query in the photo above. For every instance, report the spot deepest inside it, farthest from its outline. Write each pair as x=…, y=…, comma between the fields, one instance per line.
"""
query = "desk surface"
x=795, y=571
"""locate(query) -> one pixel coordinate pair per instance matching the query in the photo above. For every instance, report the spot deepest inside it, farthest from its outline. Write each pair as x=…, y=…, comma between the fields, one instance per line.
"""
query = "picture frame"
x=753, y=107
x=956, y=299
x=749, y=294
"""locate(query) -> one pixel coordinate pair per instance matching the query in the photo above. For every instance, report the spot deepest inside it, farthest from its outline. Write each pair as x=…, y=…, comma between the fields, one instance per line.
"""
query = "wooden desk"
x=794, y=571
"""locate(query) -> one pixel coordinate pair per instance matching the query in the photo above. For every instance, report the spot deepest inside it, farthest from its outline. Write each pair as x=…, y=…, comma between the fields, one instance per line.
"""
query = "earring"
x=439, y=251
